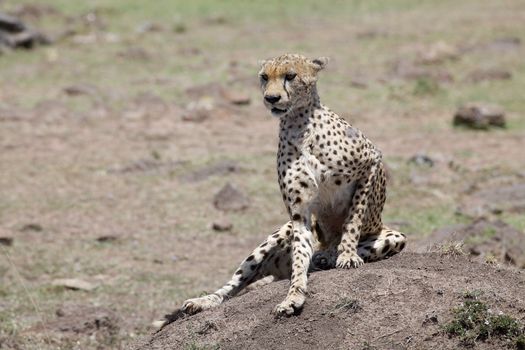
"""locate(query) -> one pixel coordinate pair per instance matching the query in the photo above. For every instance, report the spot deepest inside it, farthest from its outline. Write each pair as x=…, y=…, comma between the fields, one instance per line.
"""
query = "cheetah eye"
x=264, y=77
x=290, y=76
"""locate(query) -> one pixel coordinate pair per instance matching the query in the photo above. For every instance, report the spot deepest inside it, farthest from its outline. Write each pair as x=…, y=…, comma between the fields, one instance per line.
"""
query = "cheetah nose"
x=272, y=98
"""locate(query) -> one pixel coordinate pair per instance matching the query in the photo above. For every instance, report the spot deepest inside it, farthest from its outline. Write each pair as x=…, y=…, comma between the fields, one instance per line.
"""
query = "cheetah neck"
x=297, y=120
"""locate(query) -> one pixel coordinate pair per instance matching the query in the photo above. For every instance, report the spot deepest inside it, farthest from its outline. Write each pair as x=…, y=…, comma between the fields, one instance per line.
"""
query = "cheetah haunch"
x=332, y=181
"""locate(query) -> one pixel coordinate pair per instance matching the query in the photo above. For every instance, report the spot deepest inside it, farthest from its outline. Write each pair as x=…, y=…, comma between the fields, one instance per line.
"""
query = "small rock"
x=222, y=224
x=438, y=53
x=359, y=83
x=81, y=89
x=479, y=75
x=504, y=44
x=229, y=198
x=199, y=111
x=15, y=34
x=32, y=227
x=28, y=39
x=158, y=324
x=421, y=159
x=148, y=27
x=220, y=168
x=236, y=97
x=407, y=70
x=74, y=284
x=6, y=241
x=135, y=53
x=11, y=24
x=431, y=318
x=480, y=116
x=60, y=313
x=107, y=238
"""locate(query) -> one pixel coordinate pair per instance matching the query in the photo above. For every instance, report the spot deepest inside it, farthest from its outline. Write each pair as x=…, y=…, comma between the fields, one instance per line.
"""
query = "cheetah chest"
x=331, y=203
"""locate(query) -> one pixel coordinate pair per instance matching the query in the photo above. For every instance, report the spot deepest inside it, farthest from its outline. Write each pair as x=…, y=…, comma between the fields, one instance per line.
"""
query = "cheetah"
x=333, y=185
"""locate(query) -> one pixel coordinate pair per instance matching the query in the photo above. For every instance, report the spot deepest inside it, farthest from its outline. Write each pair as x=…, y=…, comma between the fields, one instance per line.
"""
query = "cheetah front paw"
x=348, y=260
x=290, y=306
x=196, y=305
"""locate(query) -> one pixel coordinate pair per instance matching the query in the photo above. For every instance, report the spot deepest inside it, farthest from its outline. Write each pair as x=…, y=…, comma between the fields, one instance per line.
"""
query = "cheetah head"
x=288, y=82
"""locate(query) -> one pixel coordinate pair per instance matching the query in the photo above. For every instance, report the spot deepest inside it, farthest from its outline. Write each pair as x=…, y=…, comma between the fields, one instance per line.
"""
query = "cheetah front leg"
x=299, y=189
x=271, y=258
x=347, y=249
x=301, y=255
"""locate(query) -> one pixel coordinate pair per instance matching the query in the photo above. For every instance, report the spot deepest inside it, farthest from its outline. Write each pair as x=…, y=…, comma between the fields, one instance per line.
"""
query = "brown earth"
x=402, y=303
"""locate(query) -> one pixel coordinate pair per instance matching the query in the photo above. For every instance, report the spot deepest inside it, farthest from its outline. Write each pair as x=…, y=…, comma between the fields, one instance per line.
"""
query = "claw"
x=345, y=261
x=290, y=306
x=196, y=305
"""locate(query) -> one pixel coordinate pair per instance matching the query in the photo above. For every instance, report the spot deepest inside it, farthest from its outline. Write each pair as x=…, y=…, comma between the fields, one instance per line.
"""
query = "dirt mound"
x=490, y=241
x=399, y=303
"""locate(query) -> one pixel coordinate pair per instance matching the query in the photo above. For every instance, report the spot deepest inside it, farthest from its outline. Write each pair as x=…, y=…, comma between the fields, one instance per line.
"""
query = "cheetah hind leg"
x=269, y=261
x=381, y=246
x=372, y=247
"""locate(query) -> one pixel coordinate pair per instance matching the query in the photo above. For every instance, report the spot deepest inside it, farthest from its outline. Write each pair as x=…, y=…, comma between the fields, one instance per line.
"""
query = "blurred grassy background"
x=59, y=153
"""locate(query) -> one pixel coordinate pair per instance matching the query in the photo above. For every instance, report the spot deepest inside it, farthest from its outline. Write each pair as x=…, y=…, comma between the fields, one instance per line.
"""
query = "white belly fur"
x=332, y=203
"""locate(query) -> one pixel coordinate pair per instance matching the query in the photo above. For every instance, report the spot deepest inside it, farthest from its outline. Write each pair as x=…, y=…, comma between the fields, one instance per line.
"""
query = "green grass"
x=514, y=219
x=485, y=235
x=474, y=321
x=348, y=304
x=232, y=9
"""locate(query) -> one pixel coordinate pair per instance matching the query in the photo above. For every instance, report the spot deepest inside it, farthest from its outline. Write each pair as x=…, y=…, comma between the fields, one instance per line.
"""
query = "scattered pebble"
x=135, y=54
x=6, y=241
x=35, y=227
x=107, y=238
x=73, y=284
x=480, y=75
x=236, y=97
x=222, y=224
x=149, y=27
x=478, y=115
x=503, y=44
x=359, y=83
x=199, y=111
x=421, y=159
x=81, y=89
x=220, y=168
x=16, y=34
x=438, y=52
x=230, y=198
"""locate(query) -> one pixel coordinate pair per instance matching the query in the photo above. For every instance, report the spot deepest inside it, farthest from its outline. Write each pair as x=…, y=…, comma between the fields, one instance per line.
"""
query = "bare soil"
x=400, y=303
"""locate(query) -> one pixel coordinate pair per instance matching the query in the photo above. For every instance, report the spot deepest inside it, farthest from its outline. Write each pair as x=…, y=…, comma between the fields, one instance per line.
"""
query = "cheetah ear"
x=319, y=63
x=261, y=62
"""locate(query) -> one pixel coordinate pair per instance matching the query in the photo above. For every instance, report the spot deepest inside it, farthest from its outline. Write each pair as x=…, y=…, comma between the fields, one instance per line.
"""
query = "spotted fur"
x=333, y=184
